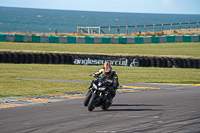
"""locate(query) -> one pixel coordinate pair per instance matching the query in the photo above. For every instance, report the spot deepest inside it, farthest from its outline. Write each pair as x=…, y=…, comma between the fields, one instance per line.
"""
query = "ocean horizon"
x=33, y=20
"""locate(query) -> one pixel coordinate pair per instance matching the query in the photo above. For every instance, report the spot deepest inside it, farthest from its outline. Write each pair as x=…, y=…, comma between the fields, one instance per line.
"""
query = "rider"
x=101, y=71
x=110, y=74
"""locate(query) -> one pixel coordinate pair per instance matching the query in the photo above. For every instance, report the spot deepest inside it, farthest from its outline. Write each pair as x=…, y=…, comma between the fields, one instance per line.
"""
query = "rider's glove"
x=94, y=75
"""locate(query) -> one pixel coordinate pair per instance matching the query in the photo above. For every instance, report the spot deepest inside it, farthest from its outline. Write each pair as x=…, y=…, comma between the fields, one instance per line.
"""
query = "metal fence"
x=136, y=28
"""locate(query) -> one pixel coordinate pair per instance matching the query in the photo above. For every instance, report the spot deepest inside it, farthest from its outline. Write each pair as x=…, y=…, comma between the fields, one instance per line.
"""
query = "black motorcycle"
x=99, y=94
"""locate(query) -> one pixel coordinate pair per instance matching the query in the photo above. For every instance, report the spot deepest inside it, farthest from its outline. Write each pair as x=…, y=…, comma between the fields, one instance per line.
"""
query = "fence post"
x=144, y=28
x=171, y=27
x=153, y=27
x=77, y=29
x=99, y=30
x=81, y=30
x=188, y=25
x=135, y=28
x=180, y=26
x=162, y=27
x=88, y=30
x=126, y=30
x=197, y=25
x=109, y=29
x=118, y=29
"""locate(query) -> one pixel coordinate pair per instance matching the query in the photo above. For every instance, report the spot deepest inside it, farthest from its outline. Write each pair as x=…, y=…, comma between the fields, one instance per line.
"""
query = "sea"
x=27, y=20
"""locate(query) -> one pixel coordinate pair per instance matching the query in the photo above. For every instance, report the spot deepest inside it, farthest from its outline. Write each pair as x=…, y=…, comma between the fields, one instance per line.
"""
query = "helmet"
x=107, y=67
x=105, y=64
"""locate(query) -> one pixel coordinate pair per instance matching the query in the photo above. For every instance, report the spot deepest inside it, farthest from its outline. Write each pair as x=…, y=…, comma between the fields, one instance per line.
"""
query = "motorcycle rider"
x=109, y=74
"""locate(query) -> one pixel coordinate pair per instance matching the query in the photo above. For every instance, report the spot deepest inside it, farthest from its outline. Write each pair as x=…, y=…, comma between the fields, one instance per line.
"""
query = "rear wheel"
x=92, y=102
x=87, y=98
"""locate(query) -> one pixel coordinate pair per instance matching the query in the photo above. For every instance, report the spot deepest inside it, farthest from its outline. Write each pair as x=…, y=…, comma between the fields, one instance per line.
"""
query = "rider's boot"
x=111, y=100
x=112, y=96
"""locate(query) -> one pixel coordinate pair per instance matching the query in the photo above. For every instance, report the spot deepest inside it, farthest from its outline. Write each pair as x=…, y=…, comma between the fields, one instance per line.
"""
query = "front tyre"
x=106, y=105
x=87, y=98
x=92, y=102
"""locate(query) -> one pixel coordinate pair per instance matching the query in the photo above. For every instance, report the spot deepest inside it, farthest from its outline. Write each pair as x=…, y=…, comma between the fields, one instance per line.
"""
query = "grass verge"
x=160, y=49
x=14, y=87
x=17, y=87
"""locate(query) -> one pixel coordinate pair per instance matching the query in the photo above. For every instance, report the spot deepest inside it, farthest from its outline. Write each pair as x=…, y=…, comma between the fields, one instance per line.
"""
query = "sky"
x=132, y=6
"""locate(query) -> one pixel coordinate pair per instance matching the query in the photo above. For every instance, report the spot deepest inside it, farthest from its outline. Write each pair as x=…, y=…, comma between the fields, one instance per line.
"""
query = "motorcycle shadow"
x=129, y=109
x=134, y=105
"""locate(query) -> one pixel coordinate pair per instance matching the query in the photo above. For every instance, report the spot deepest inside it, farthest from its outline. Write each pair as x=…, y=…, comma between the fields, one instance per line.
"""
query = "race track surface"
x=174, y=109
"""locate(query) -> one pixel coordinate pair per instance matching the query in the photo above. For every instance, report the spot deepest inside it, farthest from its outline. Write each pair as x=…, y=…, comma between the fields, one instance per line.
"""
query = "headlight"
x=94, y=86
x=102, y=88
x=99, y=84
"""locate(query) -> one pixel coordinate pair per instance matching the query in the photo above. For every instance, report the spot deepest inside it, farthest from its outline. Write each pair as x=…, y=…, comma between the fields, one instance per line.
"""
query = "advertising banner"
x=100, y=60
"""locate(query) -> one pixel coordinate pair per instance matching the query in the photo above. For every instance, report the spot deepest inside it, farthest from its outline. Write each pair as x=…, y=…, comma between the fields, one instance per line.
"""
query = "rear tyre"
x=87, y=98
x=92, y=102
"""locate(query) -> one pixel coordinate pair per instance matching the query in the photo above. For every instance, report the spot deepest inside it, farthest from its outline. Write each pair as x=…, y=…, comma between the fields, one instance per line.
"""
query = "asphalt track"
x=172, y=109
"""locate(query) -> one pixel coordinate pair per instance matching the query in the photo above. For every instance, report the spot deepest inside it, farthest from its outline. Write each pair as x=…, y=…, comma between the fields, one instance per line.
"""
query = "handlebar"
x=110, y=81
x=94, y=75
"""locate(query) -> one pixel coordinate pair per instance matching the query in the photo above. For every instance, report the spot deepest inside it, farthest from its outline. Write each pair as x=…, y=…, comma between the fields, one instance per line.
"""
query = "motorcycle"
x=99, y=94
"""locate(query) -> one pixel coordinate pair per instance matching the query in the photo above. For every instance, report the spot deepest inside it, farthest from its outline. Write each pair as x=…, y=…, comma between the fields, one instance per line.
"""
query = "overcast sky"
x=133, y=6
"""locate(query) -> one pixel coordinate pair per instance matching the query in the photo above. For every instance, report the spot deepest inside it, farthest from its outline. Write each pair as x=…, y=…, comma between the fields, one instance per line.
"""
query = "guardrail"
x=136, y=28
x=99, y=40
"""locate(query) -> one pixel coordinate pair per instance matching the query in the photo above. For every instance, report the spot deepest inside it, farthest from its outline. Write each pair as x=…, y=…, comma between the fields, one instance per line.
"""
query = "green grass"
x=14, y=87
x=17, y=87
x=77, y=72
x=160, y=49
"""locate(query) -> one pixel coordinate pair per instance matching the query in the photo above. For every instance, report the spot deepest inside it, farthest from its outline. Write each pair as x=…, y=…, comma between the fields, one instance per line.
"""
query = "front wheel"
x=106, y=105
x=92, y=102
x=87, y=98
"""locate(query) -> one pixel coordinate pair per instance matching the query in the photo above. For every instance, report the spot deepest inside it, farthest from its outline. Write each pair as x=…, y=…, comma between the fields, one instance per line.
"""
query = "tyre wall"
x=99, y=40
x=77, y=59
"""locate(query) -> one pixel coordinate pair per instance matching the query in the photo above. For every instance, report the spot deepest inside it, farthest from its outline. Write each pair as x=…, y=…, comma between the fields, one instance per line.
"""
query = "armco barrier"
x=123, y=40
x=36, y=39
x=139, y=40
x=10, y=38
x=44, y=39
x=178, y=38
x=27, y=38
x=105, y=39
x=170, y=38
x=195, y=38
x=77, y=59
x=89, y=40
x=53, y=39
x=96, y=40
x=2, y=37
x=71, y=39
x=19, y=38
x=62, y=39
x=155, y=39
x=130, y=40
x=186, y=38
